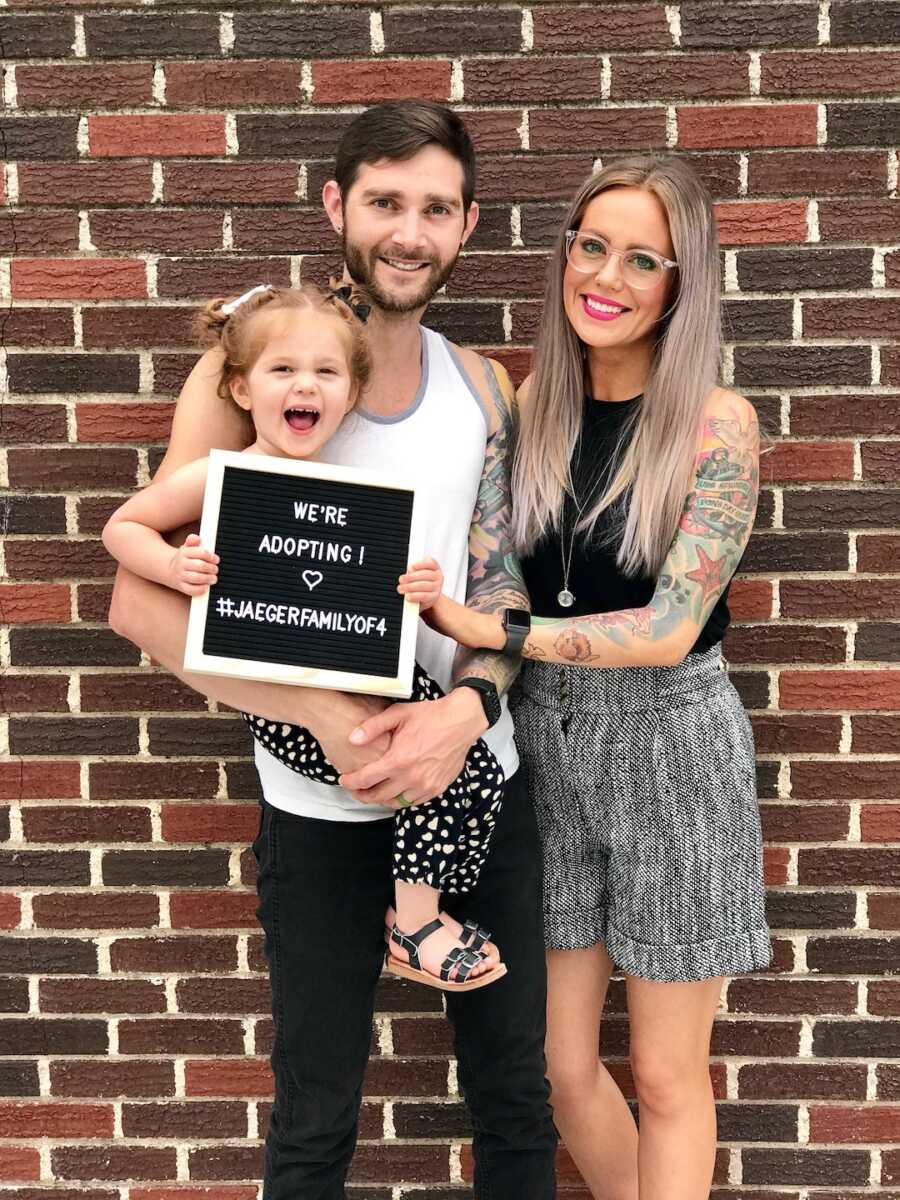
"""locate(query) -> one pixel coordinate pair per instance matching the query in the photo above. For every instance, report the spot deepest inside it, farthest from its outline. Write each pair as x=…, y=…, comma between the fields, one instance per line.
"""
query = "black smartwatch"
x=517, y=623
x=490, y=700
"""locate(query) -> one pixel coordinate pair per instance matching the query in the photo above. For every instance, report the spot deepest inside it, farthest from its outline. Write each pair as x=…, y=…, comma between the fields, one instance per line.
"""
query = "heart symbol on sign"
x=312, y=579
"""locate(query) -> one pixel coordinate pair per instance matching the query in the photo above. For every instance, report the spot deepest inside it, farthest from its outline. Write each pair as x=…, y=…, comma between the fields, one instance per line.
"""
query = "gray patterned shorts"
x=643, y=782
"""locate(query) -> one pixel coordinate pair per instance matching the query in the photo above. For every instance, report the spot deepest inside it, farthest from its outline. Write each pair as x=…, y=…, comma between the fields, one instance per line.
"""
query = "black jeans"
x=323, y=888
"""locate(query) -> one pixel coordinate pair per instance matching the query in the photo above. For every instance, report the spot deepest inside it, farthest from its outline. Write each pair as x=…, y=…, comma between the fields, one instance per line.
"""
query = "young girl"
x=295, y=360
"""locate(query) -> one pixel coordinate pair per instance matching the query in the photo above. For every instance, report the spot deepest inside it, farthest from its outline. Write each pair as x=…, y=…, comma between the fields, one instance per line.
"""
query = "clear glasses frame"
x=634, y=276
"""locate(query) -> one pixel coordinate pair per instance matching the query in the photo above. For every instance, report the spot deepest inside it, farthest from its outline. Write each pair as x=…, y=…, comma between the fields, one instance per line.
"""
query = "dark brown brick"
x=601, y=27
x=846, y=780
x=107, y=910
x=837, y=509
x=872, y=733
x=783, y=643
x=752, y=686
x=751, y=25
x=166, y=868
x=531, y=177
x=226, y=995
x=799, y=270
x=804, y=823
x=824, y=73
x=182, y=735
x=469, y=324
x=852, y=955
x=678, y=76
x=47, y=956
x=19, y=1078
x=453, y=31
x=13, y=996
x=38, y=232
x=863, y=317
x=185, y=1120
x=297, y=231
x=35, y=37
x=174, y=953
x=85, y=86
x=881, y=461
x=62, y=647
x=815, y=1081
x=845, y=415
x=181, y=1035
x=153, y=781
x=24, y=424
x=151, y=35
x=136, y=327
x=55, y=1036
x=51, y=559
x=492, y=80
x=810, y=910
x=756, y=1039
x=35, y=693
x=493, y=130
x=325, y=32
x=81, y=183
x=794, y=733
x=101, y=996
x=230, y=183
x=878, y=643
x=86, y=823
x=201, y=277
x=274, y=135
x=165, y=231
x=876, y=22
x=99, y=1078
x=856, y=1039
x=33, y=514
x=74, y=735
x=784, y=553
x=849, y=1167
x=432, y=1121
x=113, y=1162
x=865, y=867
x=842, y=599
x=863, y=124
x=37, y=328
x=73, y=373
x=138, y=692
x=39, y=137
x=597, y=130
x=66, y=468
x=36, y=868
x=816, y=173
x=757, y=320
x=756, y=1122
x=869, y=220
x=801, y=366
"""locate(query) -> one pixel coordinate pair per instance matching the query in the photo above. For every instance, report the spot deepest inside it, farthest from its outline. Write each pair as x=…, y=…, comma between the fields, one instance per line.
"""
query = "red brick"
x=209, y=823
x=845, y=691
x=34, y=603
x=19, y=1163
x=88, y=86
x=213, y=910
x=678, y=76
x=775, y=864
x=28, y=779
x=863, y=1123
x=502, y=80
x=161, y=136
x=754, y=223
x=10, y=911
x=880, y=823
x=76, y=184
x=826, y=73
x=245, y=1077
x=360, y=82
x=750, y=599
x=807, y=461
x=233, y=83
x=230, y=182
x=34, y=1120
x=747, y=125
x=884, y=907
x=124, y=422
x=78, y=278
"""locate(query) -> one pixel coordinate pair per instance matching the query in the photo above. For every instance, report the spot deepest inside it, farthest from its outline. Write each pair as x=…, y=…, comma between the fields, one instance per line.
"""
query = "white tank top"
x=438, y=444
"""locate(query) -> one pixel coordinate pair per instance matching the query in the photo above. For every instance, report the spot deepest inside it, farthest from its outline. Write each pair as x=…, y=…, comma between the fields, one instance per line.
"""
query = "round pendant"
x=565, y=598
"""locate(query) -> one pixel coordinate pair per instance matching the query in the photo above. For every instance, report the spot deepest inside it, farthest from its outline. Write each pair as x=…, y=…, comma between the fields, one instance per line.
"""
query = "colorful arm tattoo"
x=495, y=577
x=714, y=528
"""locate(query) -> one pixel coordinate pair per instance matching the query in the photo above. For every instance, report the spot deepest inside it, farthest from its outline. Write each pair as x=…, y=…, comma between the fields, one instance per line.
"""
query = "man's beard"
x=361, y=268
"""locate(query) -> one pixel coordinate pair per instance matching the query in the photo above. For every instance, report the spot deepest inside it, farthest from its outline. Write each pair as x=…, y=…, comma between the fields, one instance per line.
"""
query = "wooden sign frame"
x=196, y=658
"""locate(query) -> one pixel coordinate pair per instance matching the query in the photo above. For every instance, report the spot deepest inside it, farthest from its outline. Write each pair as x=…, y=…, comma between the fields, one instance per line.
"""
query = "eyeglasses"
x=589, y=253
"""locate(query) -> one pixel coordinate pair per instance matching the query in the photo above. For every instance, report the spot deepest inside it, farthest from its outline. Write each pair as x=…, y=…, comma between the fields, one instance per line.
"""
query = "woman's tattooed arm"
x=714, y=528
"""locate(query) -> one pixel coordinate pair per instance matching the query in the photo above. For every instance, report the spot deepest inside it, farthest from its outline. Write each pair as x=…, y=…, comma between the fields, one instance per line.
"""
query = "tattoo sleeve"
x=713, y=531
x=495, y=577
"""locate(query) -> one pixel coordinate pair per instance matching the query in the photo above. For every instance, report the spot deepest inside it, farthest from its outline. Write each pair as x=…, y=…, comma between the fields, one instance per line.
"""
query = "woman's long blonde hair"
x=657, y=467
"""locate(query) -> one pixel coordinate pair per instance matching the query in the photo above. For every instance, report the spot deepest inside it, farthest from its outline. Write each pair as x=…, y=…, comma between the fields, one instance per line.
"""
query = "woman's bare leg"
x=671, y=1026
x=589, y=1109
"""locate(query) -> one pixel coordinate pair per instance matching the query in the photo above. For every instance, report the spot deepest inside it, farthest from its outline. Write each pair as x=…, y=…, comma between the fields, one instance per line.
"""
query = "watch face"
x=518, y=618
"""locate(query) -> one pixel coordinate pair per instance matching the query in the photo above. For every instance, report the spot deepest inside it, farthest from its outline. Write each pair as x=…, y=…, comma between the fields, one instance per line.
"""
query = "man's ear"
x=333, y=204
x=240, y=393
x=471, y=222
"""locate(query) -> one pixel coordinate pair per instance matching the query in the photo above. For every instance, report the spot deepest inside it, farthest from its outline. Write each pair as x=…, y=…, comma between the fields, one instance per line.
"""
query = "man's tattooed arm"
x=714, y=528
x=495, y=577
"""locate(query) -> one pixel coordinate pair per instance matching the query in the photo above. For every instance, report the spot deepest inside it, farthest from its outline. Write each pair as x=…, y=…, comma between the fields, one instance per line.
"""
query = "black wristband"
x=487, y=693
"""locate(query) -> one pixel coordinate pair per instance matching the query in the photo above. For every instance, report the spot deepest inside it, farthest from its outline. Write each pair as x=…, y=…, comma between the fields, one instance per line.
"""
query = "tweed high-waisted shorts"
x=644, y=785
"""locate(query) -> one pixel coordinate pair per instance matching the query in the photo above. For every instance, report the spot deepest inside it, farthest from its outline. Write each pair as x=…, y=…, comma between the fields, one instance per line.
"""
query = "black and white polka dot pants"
x=442, y=843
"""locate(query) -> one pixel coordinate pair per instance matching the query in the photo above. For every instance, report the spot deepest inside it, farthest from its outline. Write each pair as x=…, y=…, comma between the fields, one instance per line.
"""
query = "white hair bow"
x=229, y=308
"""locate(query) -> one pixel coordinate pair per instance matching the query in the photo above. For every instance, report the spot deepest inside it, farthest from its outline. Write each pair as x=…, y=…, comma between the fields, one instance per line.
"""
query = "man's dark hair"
x=398, y=129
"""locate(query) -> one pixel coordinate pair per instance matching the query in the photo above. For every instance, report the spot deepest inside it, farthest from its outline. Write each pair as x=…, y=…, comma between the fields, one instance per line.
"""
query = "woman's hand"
x=422, y=583
x=193, y=569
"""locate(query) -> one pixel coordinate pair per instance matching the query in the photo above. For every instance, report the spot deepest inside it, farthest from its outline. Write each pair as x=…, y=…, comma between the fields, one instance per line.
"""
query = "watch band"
x=487, y=693
x=517, y=623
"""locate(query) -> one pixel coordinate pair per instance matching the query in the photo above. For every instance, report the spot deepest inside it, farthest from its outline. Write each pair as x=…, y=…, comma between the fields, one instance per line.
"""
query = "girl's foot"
x=488, y=949
x=431, y=955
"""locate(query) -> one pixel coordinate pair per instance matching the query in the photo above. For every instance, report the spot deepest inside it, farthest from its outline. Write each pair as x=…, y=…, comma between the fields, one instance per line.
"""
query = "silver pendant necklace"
x=566, y=597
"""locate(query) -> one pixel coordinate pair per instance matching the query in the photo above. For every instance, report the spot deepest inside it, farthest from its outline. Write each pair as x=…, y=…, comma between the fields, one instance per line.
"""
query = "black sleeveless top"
x=594, y=577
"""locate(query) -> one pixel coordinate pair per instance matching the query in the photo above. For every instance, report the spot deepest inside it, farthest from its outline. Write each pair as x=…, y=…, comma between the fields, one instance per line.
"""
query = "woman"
x=635, y=490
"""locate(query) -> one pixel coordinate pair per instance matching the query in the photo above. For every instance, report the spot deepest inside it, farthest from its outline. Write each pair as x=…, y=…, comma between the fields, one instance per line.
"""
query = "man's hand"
x=430, y=740
x=334, y=735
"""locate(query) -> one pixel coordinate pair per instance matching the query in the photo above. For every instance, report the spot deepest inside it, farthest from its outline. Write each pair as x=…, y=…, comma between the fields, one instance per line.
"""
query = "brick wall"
x=159, y=154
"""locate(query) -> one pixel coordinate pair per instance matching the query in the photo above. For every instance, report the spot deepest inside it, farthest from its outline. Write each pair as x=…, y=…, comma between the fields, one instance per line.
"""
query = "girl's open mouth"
x=301, y=420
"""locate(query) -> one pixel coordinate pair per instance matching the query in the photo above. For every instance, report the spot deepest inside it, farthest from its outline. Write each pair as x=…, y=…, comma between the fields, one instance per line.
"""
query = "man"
x=440, y=416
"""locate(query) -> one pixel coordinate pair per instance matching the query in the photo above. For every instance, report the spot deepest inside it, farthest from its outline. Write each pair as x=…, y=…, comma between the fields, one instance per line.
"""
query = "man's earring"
x=339, y=229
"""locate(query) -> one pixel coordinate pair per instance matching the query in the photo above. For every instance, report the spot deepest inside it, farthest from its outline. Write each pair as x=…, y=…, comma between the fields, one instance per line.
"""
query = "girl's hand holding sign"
x=193, y=568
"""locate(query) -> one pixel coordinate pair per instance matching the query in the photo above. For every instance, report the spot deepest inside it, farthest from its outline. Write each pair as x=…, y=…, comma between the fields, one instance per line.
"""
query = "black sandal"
x=473, y=935
x=460, y=962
